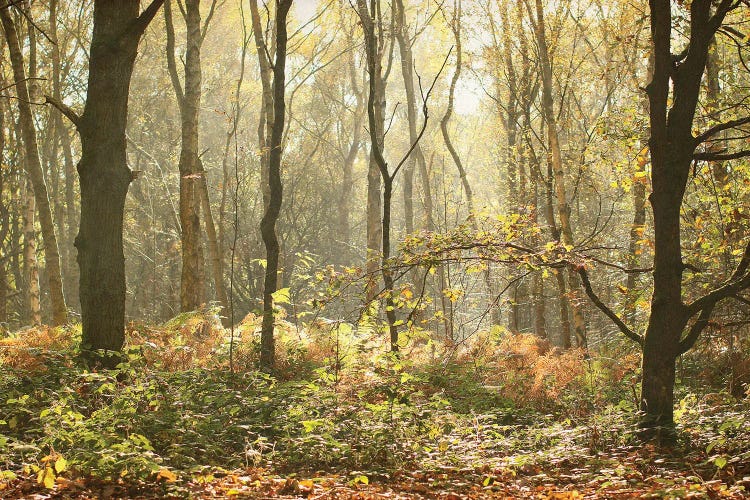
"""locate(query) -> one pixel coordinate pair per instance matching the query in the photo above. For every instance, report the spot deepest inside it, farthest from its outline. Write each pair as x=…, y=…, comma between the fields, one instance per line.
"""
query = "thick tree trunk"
x=36, y=174
x=271, y=216
x=104, y=173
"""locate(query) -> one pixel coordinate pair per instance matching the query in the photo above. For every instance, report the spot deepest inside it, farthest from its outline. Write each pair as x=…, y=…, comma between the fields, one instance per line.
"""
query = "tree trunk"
x=266, y=119
x=417, y=155
x=214, y=251
x=554, y=158
x=192, y=279
x=70, y=270
x=36, y=174
x=4, y=231
x=376, y=106
x=344, y=204
x=30, y=264
x=104, y=174
x=271, y=216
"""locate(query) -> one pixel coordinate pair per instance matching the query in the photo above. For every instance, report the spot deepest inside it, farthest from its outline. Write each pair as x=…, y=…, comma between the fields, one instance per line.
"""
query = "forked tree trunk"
x=672, y=145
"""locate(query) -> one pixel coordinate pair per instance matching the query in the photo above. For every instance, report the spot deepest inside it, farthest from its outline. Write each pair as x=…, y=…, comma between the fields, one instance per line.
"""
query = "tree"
x=673, y=150
x=103, y=172
x=556, y=166
x=275, y=191
x=673, y=94
x=193, y=186
x=34, y=168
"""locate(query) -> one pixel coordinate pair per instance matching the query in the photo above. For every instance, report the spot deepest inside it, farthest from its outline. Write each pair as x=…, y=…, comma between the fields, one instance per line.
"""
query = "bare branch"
x=66, y=110
x=721, y=156
x=625, y=329
x=720, y=128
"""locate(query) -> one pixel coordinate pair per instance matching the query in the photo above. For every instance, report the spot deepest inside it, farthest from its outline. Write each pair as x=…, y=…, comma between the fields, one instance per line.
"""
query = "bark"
x=104, y=174
x=266, y=119
x=554, y=159
x=192, y=279
x=34, y=168
x=30, y=264
x=271, y=216
x=417, y=156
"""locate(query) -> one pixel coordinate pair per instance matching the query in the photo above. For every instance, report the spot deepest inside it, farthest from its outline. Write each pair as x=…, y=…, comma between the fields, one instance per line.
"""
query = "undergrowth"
x=503, y=404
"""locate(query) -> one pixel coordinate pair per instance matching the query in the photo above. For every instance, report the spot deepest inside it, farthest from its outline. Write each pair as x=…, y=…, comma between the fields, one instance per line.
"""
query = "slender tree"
x=271, y=216
x=34, y=168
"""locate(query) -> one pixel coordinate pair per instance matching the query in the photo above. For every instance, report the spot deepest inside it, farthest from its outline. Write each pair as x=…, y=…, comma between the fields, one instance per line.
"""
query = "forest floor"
x=637, y=473
x=173, y=422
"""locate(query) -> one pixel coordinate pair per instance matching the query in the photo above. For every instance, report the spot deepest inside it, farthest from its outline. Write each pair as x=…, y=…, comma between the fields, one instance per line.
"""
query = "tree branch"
x=141, y=22
x=719, y=128
x=707, y=156
x=66, y=110
x=581, y=270
x=700, y=324
x=739, y=281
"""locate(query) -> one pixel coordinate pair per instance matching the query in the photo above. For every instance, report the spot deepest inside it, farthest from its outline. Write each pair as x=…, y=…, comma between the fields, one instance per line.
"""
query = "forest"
x=375, y=249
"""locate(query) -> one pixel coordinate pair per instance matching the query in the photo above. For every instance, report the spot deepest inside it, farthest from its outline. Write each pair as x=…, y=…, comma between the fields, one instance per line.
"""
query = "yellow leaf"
x=167, y=475
x=281, y=296
x=61, y=465
x=46, y=477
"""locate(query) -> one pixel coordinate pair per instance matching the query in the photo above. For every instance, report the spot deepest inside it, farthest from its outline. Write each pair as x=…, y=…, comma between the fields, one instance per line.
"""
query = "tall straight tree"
x=103, y=171
x=271, y=215
x=34, y=168
x=555, y=163
x=193, y=188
